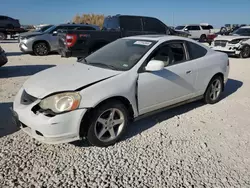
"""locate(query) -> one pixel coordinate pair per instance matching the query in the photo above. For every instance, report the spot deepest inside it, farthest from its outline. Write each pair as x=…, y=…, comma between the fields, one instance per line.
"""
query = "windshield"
x=50, y=29
x=121, y=54
x=242, y=31
x=180, y=27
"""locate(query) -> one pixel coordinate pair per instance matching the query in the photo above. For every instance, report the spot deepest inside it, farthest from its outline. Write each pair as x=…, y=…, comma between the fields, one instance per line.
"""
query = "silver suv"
x=41, y=43
x=8, y=22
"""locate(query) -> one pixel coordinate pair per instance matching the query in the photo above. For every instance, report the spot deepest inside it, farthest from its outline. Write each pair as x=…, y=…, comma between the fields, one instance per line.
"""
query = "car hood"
x=30, y=33
x=230, y=37
x=67, y=77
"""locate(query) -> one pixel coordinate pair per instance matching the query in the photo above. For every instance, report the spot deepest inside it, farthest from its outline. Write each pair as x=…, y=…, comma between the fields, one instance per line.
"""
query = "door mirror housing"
x=155, y=65
x=54, y=33
x=186, y=29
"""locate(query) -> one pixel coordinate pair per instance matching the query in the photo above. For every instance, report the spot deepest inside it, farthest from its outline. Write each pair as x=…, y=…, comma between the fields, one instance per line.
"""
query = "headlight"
x=62, y=102
x=237, y=41
x=234, y=41
x=243, y=40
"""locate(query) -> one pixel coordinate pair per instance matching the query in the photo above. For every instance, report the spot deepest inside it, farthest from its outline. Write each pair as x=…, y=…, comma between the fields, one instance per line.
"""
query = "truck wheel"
x=203, y=38
x=3, y=36
x=41, y=49
x=245, y=51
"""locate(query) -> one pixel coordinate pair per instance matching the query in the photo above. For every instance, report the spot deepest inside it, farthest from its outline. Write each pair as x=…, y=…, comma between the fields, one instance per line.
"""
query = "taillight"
x=71, y=39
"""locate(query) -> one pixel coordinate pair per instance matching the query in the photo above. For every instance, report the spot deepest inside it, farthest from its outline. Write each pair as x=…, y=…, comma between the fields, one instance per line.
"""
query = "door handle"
x=188, y=72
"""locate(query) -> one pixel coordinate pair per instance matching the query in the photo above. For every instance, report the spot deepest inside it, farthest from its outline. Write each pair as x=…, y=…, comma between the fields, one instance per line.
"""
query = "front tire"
x=245, y=51
x=107, y=124
x=3, y=36
x=214, y=90
x=41, y=49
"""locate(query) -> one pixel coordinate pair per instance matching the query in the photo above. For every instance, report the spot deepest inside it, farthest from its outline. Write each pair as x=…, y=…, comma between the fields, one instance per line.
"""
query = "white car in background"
x=197, y=31
x=127, y=79
x=238, y=43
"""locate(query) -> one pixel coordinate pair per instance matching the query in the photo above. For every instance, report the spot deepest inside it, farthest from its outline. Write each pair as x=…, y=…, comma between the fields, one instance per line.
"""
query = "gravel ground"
x=195, y=145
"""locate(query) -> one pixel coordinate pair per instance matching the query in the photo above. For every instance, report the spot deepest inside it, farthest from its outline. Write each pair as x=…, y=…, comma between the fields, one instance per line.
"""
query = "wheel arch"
x=40, y=41
x=86, y=118
x=220, y=74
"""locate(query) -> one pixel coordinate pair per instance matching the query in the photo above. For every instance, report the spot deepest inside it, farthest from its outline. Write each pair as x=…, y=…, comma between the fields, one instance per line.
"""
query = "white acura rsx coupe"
x=97, y=97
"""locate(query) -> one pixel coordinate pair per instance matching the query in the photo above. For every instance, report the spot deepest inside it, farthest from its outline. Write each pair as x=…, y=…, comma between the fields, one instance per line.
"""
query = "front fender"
x=122, y=85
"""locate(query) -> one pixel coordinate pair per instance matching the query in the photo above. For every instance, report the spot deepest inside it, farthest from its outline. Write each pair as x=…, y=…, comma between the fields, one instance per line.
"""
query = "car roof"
x=157, y=37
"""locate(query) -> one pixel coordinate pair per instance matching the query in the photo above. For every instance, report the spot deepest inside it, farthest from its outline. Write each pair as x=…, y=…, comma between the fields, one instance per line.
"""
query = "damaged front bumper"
x=233, y=50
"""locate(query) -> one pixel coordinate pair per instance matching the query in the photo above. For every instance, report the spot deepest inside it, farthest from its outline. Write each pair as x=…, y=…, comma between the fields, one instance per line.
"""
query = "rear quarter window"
x=206, y=27
x=195, y=51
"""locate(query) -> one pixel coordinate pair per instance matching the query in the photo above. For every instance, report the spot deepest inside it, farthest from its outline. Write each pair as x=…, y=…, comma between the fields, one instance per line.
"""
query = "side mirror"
x=155, y=65
x=54, y=33
x=186, y=29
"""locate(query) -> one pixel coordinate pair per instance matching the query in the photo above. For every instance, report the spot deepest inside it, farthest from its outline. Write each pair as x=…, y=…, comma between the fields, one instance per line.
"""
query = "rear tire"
x=203, y=38
x=3, y=36
x=104, y=130
x=214, y=90
x=41, y=49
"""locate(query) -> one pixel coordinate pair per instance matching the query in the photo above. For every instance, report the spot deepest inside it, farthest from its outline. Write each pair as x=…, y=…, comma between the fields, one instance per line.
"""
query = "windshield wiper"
x=82, y=60
x=104, y=65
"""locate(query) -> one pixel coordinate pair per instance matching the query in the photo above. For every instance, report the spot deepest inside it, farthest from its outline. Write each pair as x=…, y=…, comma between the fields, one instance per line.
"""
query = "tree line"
x=96, y=19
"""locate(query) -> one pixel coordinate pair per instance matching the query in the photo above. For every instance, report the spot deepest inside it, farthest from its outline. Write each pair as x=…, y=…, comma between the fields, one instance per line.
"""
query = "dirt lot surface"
x=195, y=145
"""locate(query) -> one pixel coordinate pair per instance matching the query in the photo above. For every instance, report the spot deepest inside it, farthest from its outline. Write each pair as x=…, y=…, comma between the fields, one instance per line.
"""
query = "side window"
x=69, y=27
x=111, y=23
x=170, y=54
x=85, y=28
x=206, y=27
x=193, y=28
x=195, y=51
x=152, y=24
x=130, y=23
x=2, y=17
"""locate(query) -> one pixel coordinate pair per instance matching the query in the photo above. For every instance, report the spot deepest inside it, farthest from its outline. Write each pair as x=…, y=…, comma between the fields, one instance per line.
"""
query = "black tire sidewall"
x=203, y=38
x=4, y=36
x=91, y=136
x=241, y=53
x=207, y=97
x=36, y=46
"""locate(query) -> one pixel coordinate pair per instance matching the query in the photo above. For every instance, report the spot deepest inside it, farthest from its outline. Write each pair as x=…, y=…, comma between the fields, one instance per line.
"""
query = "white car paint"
x=154, y=90
x=223, y=43
x=196, y=34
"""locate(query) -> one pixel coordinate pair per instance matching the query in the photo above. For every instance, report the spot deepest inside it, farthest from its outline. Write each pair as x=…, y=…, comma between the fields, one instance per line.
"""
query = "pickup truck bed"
x=83, y=43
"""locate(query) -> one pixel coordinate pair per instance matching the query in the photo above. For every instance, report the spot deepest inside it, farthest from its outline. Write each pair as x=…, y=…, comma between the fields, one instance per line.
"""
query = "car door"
x=173, y=84
x=195, y=31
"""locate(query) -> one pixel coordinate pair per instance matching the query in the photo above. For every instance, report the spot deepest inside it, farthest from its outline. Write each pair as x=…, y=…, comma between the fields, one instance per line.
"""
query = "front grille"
x=27, y=99
x=221, y=43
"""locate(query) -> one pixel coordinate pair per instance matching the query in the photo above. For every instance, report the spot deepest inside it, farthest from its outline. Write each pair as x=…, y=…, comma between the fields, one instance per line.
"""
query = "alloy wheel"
x=109, y=125
x=215, y=89
x=246, y=52
x=41, y=49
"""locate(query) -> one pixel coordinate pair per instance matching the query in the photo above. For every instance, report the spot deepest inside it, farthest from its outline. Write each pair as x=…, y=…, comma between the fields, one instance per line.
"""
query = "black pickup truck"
x=82, y=43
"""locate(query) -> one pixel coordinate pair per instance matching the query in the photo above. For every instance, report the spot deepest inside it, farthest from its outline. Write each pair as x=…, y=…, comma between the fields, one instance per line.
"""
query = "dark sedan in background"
x=3, y=58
